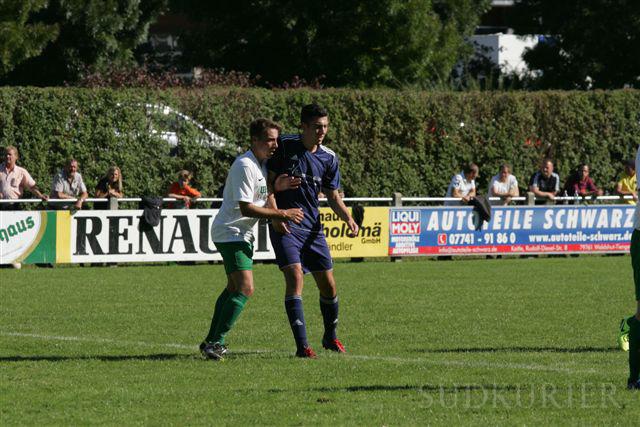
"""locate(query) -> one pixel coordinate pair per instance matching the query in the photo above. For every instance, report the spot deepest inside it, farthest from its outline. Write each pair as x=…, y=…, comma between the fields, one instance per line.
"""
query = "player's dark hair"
x=631, y=164
x=312, y=111
x=258, y=128
x=469, y=167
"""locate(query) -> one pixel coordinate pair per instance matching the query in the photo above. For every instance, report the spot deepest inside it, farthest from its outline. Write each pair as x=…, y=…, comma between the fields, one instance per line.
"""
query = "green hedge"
x=407, y=141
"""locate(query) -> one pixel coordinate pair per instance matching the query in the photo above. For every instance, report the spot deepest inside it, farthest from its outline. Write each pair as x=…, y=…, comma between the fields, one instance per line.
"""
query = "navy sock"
x=329, y=310
x=295, y=313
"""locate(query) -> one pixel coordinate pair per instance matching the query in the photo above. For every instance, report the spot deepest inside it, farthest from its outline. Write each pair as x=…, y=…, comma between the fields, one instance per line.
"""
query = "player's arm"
x=543, y=194
x=278, y=225
x=253, y=211
x=514, y=191
x=36, y=192
x=623, y=192
x=337, y=205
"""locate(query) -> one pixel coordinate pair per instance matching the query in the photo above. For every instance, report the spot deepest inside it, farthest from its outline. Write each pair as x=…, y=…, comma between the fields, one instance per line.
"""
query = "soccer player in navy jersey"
x=302, y=248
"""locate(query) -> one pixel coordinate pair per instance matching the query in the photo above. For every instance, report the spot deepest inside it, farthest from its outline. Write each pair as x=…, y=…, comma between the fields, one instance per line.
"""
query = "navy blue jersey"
x=318, y=170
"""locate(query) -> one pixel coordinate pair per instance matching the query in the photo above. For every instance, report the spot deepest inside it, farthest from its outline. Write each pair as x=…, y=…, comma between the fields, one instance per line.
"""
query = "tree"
x=356, y=43
x=19, y=38
x=587, y=43
x=93, y=34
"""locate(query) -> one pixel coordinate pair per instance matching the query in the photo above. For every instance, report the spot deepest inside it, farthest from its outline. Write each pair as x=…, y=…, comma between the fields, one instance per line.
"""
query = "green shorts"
x=236, y=256
x=635, y=260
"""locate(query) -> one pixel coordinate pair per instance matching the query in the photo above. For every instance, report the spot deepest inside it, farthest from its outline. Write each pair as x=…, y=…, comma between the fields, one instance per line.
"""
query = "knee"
x=294, y=280
x=247, y=289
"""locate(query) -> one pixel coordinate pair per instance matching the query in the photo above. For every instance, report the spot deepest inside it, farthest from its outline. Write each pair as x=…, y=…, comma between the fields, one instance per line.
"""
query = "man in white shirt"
x=503, y=185
x=68, y=184
x=463, y=185
x=244, y=198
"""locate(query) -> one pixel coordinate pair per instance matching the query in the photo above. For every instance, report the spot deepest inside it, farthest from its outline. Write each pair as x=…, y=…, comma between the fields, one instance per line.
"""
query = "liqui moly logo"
x=405, y=222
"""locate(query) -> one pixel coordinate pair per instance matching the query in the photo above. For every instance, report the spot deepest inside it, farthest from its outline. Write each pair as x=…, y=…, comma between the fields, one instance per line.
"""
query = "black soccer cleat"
x=306, y=353
x=333, y=345
x=215, y=351
x=633, y=385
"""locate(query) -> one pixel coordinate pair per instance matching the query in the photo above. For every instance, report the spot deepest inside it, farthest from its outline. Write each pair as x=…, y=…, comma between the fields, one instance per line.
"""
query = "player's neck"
x=259, y=157
x=309, y=143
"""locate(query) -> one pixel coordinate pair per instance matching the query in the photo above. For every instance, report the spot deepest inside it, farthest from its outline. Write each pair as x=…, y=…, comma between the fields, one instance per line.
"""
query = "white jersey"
x=246, y=182
x=501, y=187
x=460, y=183
x=636, y=222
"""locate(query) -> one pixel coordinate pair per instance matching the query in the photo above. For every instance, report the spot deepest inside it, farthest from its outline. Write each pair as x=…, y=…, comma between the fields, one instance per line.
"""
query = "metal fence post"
x=531, y=198
x=397, y=199
x=113, y=204
x=397, y=202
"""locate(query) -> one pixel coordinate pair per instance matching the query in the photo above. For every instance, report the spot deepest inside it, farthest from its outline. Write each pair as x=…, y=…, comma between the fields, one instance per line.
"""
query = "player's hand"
x=294, y=214
x=552, y=196
x=353, y=228
x=280, y=226
x=285, y=182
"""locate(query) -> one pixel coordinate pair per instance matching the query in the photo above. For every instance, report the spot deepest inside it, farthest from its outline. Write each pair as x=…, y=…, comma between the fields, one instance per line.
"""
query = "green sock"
x=230, y=312
x=216, y=315
x=634, y=349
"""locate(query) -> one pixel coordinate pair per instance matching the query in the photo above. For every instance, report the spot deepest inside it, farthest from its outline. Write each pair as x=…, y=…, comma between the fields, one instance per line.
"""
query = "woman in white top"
x=503, y=185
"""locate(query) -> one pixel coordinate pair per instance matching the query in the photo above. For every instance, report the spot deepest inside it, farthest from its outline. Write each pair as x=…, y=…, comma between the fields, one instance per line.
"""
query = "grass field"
x=511, y=341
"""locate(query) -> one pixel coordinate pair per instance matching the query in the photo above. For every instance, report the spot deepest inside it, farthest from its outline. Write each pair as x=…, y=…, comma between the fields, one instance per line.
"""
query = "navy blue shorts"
x=301, y=247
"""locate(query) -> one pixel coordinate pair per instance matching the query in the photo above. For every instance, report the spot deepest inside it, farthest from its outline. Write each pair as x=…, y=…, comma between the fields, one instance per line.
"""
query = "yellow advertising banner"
x=372, y=240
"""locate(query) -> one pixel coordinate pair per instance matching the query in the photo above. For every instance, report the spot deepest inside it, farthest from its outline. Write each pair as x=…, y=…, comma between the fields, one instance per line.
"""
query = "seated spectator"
x=68, y=184
x=463, y=185
x=545, y=183
x=108, y=187
x=581, y=184
x=627, y=186
x=181, y=191
x=503, y=185
x=14, y=179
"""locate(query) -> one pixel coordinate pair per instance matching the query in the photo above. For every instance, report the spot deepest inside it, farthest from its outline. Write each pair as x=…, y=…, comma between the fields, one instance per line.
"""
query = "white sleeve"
x=58, y=183
x=513, y=182
x=456, y=182
x=242, y=183
x=82, y=187
x=492, y=186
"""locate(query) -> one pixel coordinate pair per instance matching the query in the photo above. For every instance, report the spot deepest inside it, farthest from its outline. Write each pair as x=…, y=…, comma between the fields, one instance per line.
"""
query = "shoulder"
x=495, y=178
x=289, y=140
x=327, y=150
x=555, y=176
x=290, y=137
x=243, y=165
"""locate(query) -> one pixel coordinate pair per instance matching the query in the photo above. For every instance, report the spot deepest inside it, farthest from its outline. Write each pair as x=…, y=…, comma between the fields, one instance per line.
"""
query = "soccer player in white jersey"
x=244, y=199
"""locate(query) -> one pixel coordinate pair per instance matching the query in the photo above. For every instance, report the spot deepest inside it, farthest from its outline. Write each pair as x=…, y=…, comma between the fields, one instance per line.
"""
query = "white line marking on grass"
x=95, y=340
x=396, y=359
x=468, y=364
